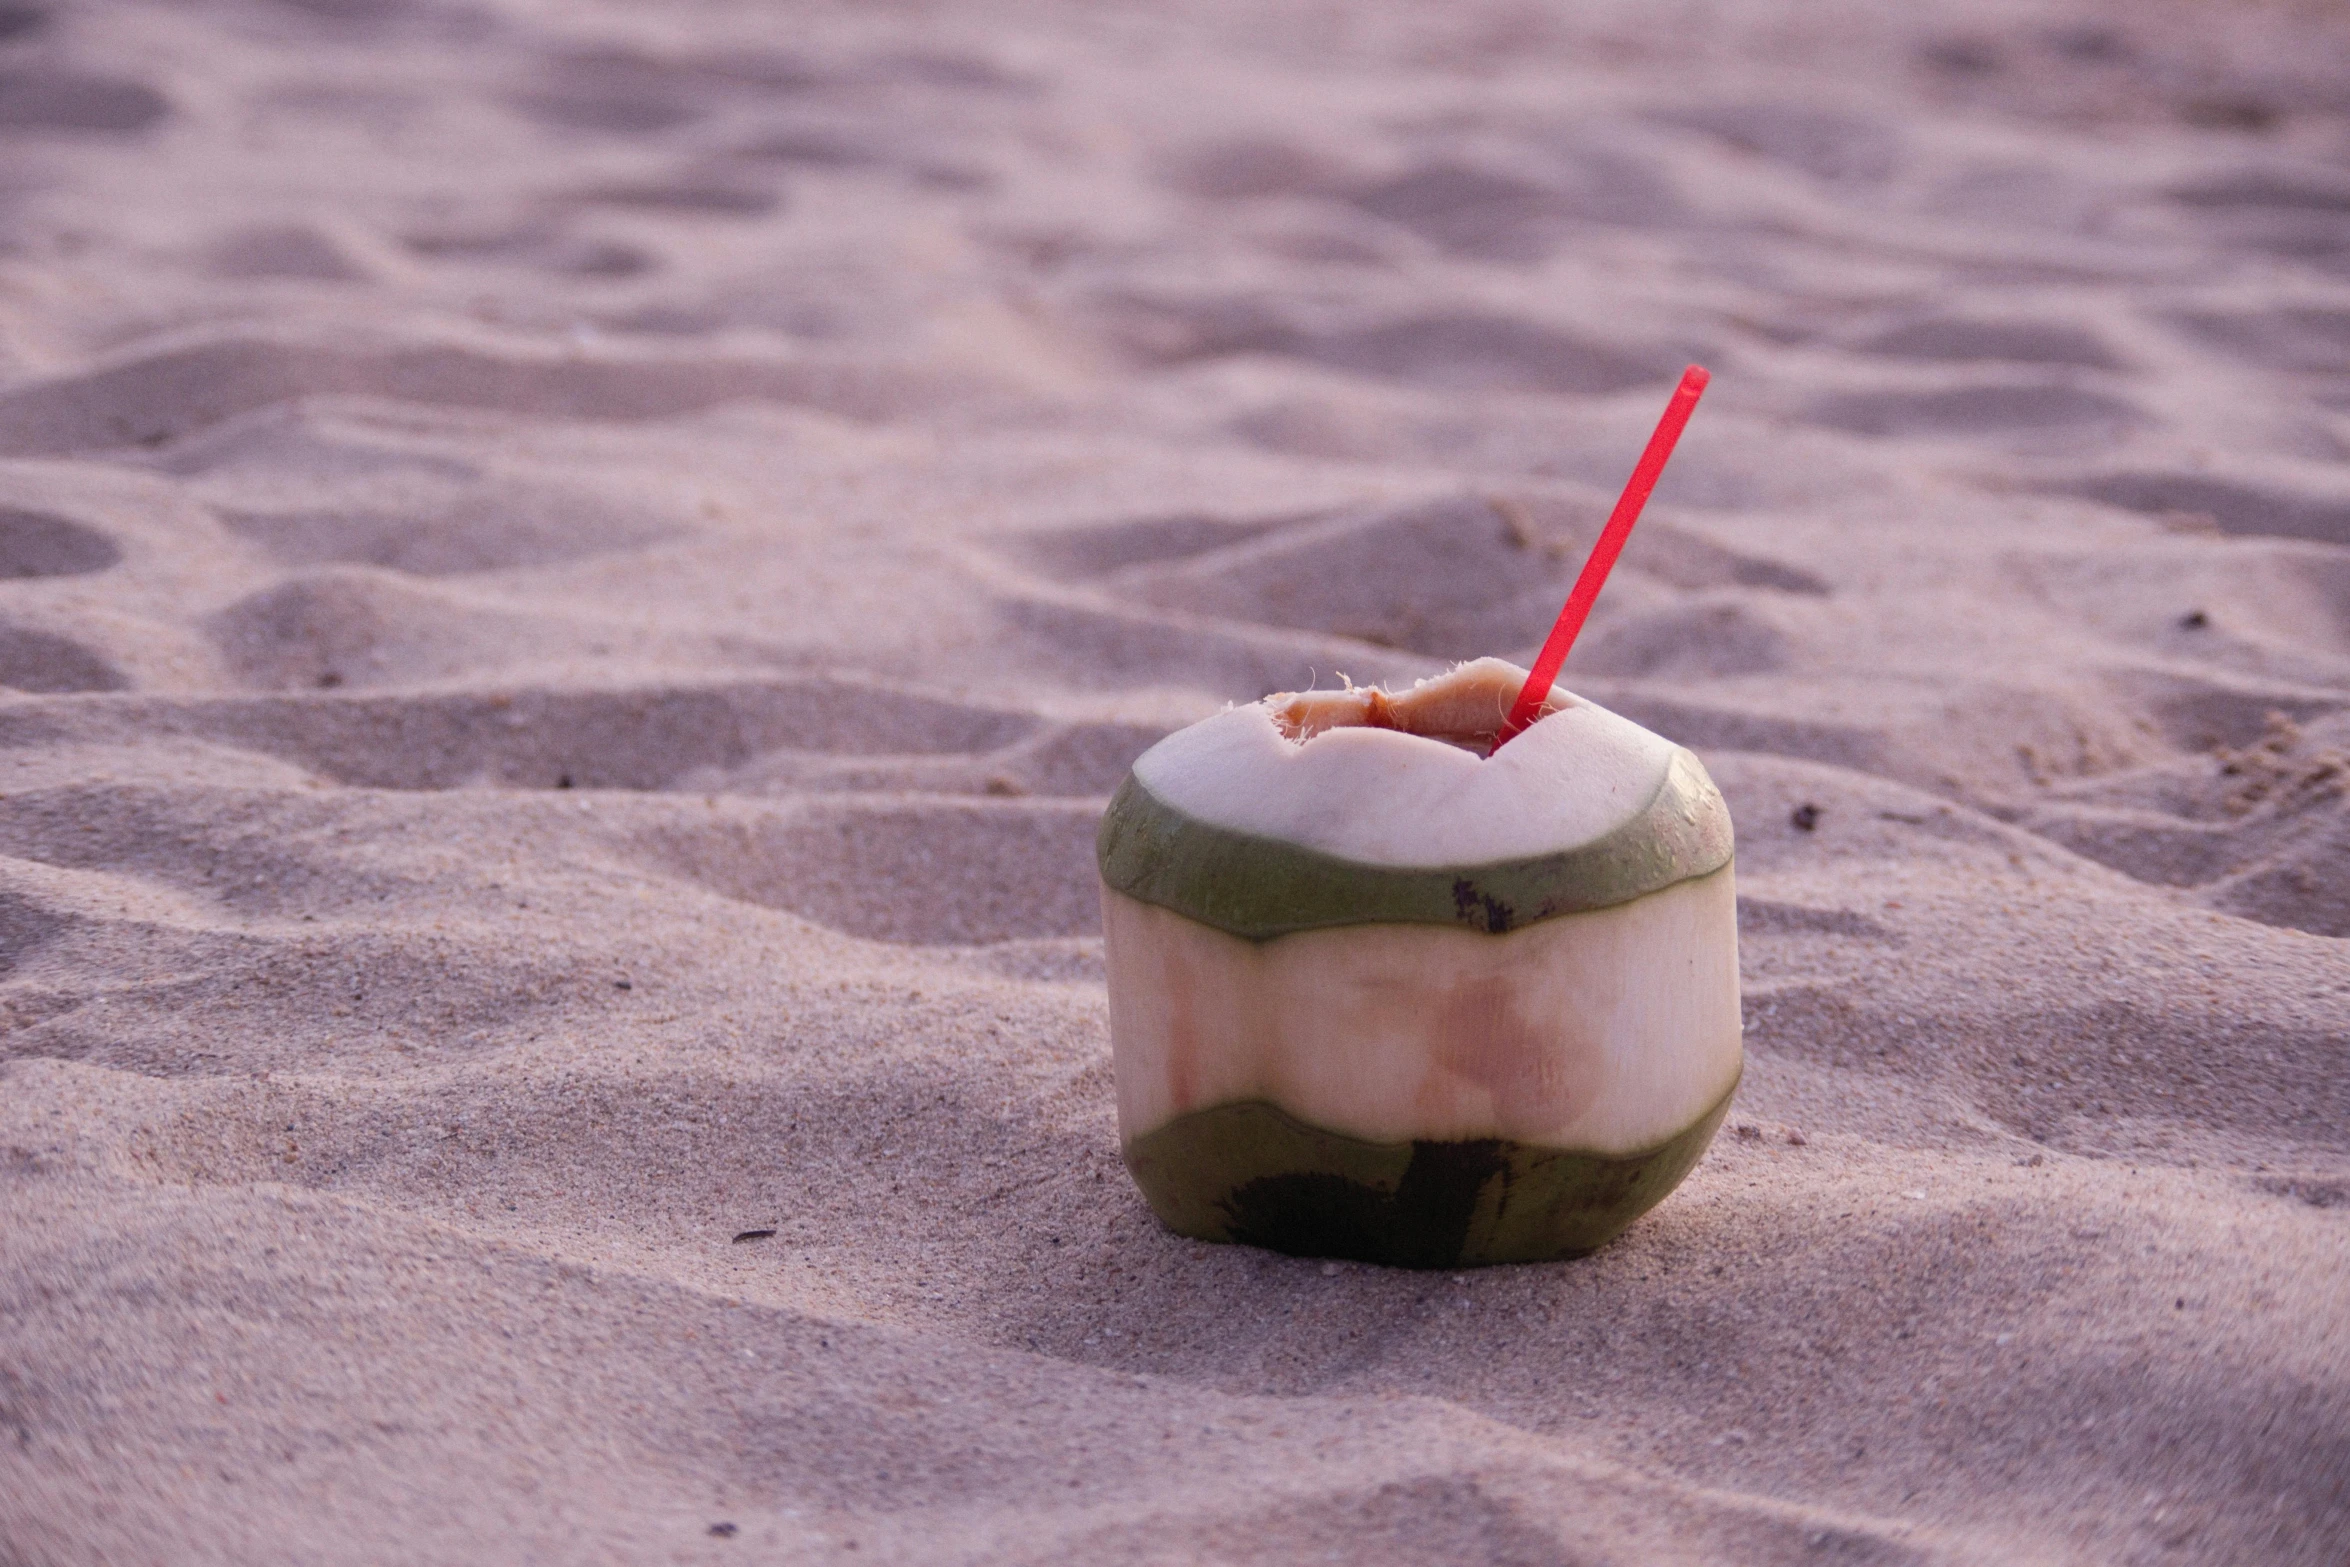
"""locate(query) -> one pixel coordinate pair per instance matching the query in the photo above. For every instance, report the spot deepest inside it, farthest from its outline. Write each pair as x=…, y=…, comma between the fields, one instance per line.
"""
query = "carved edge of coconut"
x=1258, y=887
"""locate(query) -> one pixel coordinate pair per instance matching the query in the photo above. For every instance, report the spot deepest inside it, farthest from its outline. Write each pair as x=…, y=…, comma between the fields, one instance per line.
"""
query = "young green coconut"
x=1435, y=978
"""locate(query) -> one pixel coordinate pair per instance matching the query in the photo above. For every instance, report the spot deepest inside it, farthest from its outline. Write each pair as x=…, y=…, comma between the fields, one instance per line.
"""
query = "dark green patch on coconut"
x=1257, y=888
x=1253, y=1173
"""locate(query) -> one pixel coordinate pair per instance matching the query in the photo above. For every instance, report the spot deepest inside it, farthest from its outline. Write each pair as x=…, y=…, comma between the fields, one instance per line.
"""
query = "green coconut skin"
x=1253, y=1173
x=1258, y=888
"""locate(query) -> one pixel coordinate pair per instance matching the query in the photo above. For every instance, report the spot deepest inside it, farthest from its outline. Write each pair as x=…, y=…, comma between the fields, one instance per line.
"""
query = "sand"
x=577, y=577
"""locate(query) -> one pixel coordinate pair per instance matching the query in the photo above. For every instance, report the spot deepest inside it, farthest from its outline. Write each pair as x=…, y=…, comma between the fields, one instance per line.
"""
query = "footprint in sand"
x=1142, y=541
x=1463, y=350
x=2235, y=506
x=42, y=661
x=42, y=544
x=861, y=147
x=153, y=398
x=1469, y=350
x=281, y=251
x=695, y=192
x=1839, y=148
x=2297, y=212
x=1452, y=577
x=47, y=99
x=2297, y=338
x=2256, y=817
x=1250, y=169
x=623, y=91
x=999, y=871
x=536, y=244
x=1959, y=340
x=489, y=526
x=25, y=927
x=714, y=736
x=1692, y=641
x=2026, y=412
x=1521, y=213
x=329, y=629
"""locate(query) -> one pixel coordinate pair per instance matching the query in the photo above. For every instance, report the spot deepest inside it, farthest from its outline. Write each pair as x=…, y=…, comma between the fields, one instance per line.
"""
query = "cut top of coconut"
x=1467, y=706
x=1402, y=780
x=1312, y=810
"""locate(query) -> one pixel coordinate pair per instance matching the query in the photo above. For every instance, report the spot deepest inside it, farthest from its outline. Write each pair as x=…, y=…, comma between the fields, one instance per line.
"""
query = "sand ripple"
x=573, y=581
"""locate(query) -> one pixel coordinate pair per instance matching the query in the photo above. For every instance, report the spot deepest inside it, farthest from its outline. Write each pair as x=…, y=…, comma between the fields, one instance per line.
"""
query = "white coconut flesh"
x=1608, y=1032
x=1608, y=1029
x=1313, y=770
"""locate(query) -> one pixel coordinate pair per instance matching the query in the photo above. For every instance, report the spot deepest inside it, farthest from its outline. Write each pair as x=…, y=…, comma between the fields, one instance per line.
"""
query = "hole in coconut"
x=1466, y=707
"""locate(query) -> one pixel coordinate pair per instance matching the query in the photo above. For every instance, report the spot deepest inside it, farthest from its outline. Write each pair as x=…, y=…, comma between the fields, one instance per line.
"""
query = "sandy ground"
x=577, y=576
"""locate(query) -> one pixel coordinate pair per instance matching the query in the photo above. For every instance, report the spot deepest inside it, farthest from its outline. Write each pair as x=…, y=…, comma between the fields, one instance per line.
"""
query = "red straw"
x=1569, y=625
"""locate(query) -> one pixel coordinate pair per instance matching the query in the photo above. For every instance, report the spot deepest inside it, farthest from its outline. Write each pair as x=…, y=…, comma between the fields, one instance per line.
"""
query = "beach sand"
x=578, y=575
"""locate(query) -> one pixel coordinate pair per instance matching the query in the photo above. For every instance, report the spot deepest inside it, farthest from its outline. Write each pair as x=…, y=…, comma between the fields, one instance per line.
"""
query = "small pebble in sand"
x=1805, y=817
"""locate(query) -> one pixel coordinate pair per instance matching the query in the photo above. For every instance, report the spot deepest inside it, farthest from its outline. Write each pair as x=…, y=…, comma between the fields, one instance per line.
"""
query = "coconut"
x=1380, y=990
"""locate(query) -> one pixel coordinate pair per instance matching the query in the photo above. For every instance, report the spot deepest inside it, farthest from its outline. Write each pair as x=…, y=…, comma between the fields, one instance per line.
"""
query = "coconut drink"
x=1434, y=978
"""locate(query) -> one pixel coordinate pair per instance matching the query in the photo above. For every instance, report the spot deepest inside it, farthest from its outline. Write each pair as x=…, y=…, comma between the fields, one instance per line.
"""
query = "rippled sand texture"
x=576, y=577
